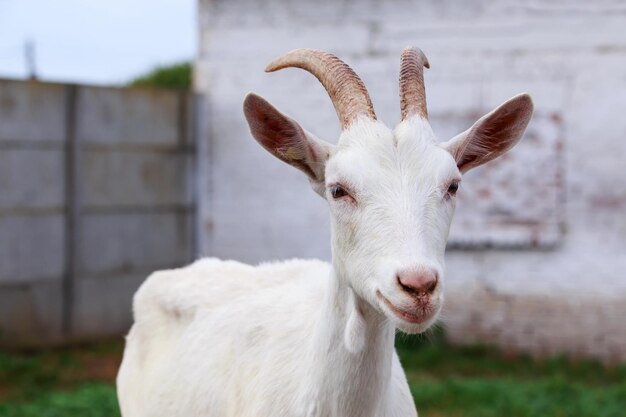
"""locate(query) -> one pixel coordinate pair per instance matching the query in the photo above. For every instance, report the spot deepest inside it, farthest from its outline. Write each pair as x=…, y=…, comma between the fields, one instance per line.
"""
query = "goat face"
x=391, y=193
x=391, y=198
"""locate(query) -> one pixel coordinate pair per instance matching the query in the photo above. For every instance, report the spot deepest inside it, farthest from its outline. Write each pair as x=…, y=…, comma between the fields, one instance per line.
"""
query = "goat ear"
x=493, y=134
x=284, y=138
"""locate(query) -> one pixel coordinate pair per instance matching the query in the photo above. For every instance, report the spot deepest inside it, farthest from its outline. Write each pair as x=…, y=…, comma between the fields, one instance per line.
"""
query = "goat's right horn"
x=345, y=88
x=412, y=89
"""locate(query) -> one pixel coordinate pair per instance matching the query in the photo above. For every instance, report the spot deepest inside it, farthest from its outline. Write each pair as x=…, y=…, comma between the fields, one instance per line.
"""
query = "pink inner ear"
x=281, y=136
x=279, y=133
x=494, y=134
x=499, y=133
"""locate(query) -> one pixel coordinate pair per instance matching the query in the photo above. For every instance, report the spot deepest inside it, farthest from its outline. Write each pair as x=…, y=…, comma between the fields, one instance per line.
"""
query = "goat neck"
x=352, y=356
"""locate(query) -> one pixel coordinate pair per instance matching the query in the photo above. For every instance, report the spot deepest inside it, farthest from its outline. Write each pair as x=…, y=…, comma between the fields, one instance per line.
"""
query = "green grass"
x=76, y=382
x=82, y=400
x=446, y=381
x=482, y=382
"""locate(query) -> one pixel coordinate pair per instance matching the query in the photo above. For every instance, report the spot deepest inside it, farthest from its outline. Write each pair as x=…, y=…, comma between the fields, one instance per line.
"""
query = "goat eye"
x=337, y=191
x=453, y=188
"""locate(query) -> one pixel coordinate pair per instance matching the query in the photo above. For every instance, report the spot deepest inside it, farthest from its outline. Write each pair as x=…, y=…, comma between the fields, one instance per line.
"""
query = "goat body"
x=221, y=338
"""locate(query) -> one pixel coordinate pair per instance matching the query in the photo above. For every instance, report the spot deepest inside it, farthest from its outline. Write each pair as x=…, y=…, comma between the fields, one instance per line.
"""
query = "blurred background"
x=123, y=149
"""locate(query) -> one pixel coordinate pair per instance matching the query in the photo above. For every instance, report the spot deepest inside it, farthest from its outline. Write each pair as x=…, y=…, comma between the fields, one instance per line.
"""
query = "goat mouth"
x=410, y=317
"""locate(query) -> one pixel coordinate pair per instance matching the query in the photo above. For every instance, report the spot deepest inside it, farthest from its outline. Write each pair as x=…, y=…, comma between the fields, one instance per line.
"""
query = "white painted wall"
x=571, y=57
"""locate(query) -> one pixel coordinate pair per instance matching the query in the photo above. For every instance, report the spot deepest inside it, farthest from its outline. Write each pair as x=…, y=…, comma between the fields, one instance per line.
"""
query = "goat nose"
x=421, y=281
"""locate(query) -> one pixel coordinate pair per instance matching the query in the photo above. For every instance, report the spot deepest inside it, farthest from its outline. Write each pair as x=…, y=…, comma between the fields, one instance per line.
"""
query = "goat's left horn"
x=412, y=90
x=345, y=88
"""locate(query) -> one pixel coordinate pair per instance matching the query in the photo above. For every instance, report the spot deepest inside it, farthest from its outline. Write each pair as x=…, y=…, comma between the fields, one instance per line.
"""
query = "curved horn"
x=345, y=88
x=412, y=90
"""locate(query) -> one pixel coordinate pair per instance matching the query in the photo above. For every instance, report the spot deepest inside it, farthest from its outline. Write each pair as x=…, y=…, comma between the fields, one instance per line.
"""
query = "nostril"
x=419, y=282
x=433, y=284
x=405, y=287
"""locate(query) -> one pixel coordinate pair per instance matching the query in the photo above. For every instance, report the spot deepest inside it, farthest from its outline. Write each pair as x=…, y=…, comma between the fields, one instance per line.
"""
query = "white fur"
x=303, y=338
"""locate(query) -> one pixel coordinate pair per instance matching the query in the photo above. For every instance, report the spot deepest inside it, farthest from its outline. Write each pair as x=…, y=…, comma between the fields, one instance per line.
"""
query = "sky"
x=95, y=41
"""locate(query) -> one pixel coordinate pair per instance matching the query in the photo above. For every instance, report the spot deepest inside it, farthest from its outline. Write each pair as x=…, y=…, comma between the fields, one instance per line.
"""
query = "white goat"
x=307, y=338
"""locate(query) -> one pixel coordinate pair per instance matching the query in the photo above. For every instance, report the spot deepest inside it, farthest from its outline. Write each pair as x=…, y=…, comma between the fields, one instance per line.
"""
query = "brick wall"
x=551, y=279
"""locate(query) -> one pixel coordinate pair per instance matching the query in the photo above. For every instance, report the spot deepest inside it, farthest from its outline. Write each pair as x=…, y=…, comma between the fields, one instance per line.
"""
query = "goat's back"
x=197, y=326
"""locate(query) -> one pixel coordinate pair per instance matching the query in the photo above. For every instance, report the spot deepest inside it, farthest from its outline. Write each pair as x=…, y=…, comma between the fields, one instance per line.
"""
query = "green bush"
x=170, y=76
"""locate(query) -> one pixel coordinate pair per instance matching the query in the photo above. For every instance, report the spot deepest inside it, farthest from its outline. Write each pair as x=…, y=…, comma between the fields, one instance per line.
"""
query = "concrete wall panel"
x=125, y=242
x=103, y=307
x=31, y=248
x=22, y=104
x=128, y=116
x=88, y=210
x=31, y=315
x=31, y=179
x=113, y=178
